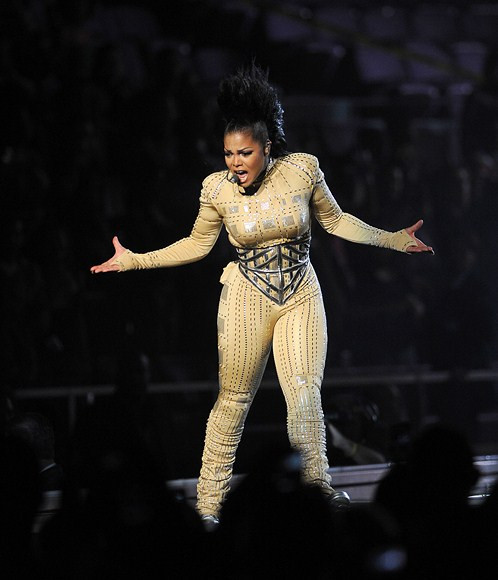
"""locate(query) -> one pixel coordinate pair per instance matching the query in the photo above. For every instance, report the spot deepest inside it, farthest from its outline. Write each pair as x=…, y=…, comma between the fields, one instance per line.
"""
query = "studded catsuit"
x=270, y=301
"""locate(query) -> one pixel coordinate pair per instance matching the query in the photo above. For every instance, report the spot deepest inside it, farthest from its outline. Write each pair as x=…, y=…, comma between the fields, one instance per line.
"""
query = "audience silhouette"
x=21, y=498
x=38, y=433
x=119, y=518
x=428, y=495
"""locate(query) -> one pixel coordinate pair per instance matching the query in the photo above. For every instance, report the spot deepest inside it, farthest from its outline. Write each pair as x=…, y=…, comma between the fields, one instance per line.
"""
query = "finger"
x=425, y=248
x=100, y=269
x=95, y=268
x=416, y=226
x=420, y=249
x=105, y=267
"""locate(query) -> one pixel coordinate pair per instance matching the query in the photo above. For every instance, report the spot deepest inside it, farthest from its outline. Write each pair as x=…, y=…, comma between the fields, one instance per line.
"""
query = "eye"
x=227, y=153
x=246, y=153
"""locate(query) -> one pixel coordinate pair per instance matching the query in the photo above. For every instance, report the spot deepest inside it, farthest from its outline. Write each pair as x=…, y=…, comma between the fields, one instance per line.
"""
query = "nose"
x=237, y=160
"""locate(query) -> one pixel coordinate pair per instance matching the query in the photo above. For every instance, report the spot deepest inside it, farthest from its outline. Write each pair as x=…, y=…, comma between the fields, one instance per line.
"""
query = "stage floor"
x=359, y=481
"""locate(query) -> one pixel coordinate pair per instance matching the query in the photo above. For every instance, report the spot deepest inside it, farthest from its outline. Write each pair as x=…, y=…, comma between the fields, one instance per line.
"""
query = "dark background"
x=109, y=124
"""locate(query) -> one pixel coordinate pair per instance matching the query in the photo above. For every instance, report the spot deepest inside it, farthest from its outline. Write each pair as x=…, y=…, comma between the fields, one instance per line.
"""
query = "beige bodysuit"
x=271, y=300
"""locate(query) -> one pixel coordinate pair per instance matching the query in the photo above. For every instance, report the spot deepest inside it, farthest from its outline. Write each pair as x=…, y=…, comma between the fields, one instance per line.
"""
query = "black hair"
x=249, y=103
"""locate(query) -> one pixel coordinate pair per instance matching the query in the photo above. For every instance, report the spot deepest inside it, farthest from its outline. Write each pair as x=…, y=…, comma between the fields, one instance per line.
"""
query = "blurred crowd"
x=109, y=125
x=119, y=519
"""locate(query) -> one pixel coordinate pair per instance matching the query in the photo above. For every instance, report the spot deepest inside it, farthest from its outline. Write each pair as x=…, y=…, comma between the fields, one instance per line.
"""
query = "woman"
x=271, y=298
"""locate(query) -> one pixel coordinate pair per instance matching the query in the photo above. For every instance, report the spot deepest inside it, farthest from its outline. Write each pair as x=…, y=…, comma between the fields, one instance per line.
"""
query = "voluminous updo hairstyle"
x=249, y=103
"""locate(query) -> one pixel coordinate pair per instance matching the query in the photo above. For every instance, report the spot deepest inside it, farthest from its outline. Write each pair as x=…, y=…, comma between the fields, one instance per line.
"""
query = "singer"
x=270, y=299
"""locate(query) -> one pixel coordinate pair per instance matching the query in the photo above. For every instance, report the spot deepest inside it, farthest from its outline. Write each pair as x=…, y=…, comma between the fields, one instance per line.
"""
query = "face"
x=245, y=157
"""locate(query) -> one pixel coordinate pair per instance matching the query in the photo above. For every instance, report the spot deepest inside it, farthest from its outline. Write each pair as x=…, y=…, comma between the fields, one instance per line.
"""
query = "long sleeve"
x=196, y=246
x=344, y=225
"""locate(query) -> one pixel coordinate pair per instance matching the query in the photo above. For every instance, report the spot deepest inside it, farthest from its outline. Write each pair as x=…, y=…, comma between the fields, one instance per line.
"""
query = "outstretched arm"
x=344, y=225
x=190, y=249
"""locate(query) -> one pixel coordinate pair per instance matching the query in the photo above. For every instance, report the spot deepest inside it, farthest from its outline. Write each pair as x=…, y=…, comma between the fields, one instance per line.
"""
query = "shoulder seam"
x=213, y=183
x=302, y=166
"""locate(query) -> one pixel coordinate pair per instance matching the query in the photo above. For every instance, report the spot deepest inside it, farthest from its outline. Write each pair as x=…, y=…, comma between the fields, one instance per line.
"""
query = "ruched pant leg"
x=299, y=347
x=244, y=343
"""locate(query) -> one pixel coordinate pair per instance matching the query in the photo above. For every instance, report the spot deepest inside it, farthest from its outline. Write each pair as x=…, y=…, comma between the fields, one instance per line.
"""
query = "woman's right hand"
x=109, y=266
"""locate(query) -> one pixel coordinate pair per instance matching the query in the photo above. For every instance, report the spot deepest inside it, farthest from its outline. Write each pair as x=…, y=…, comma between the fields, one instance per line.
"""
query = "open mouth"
x=242, y=175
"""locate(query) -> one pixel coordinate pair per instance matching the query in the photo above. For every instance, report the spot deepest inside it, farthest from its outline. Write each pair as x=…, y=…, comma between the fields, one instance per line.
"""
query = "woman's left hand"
x=420, y=247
